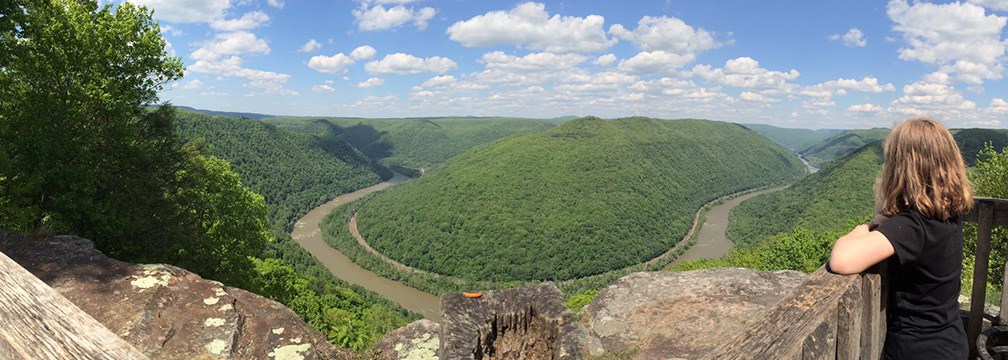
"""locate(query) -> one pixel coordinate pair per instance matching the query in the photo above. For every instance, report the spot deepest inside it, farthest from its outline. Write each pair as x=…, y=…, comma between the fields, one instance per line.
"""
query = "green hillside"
x=971, y=141
x=413, y=143
x=841, y=144
x=823, y=201
x=294, y=172
x=583, y=198
x=793, y=139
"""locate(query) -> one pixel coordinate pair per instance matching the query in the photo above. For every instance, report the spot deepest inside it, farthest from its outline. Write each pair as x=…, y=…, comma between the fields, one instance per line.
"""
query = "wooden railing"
x=36, y=322
x=832, y=316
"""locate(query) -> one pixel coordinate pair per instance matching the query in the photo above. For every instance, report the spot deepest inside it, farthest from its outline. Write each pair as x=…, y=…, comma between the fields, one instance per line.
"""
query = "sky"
x=805, y=64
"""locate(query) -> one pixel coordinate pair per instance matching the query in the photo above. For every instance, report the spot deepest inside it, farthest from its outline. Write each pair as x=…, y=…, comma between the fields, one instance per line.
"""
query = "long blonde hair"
x=923, y=170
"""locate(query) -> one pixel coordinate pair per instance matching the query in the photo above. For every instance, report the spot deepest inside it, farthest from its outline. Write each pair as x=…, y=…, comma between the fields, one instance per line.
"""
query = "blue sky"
x=811, y=64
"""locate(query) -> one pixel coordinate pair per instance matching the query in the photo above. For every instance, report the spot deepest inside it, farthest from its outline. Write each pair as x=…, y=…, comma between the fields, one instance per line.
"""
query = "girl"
x=919, y=198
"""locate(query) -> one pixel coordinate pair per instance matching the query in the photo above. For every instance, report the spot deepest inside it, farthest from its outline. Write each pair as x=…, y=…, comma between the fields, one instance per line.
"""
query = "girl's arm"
x=859, y=250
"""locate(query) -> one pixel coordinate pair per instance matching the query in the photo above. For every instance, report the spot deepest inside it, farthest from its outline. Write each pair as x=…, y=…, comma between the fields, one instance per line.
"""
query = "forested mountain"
x=793, y=139
x=293, y=171
x=225, y=113
x=413, y=143
x=841, y=144
x=971, y=141
x=823, y=201
x=583, y=198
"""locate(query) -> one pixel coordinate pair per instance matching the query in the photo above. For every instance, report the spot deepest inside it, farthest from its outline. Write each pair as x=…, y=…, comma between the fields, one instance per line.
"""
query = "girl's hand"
x=878, y=220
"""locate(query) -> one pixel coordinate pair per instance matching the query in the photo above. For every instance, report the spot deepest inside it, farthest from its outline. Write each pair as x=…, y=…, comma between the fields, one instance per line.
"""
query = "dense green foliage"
x=971, y=141
x=294, y=172
x=79, y=152
x=823, y=201
x=793, y=139
x=842, y=144
x=800, y=250
x=583, y=198
x=413, y=143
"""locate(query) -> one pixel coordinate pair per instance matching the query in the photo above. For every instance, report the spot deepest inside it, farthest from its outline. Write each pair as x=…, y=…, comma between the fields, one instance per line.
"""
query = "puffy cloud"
x=192, y=85
x=853, y=38
x=929, y=97
x=744, y=72
x=232, y=43
x=371, y=83
x=529, y=26
x=864, y=108
x=310, y=46
x=279, y=4
x=998, y=106
x=363, y=53
x=667, y=34
x=535, y=62
x=651, y=62
x=959, y=37
x=438, y=81
x=330, y=64
x=840, y=86
x=1000, y=5
x=379, y=18
x=323, y=88
x=400, y=63
x=605, y=60
x=250, y=20
x=756, y=97
x=268, y=81
x=186, y=11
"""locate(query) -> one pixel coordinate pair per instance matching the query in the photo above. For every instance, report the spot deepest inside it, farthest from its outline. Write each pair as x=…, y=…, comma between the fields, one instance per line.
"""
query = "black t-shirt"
x=923, y=310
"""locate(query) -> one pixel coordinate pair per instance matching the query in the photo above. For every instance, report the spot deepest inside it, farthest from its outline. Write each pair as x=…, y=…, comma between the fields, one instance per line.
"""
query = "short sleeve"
x=906, y=233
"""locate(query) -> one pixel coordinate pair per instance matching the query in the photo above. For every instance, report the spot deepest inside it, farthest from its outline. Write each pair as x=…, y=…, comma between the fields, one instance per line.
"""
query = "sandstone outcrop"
x=167, y=312
x=420, y=340
x=663, y=315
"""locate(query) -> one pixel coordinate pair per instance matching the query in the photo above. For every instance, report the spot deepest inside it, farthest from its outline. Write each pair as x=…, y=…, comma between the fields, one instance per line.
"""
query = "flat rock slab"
x=663, y=315
x=420, y=340
x=167, y=312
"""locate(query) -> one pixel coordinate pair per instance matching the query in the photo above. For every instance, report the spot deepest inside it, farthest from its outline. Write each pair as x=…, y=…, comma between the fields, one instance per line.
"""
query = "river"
x=711, y=242
x=308, y=234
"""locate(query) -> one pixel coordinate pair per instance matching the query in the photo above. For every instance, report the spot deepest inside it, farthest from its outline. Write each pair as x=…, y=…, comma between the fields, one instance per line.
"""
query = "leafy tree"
x=79, y=151
x=989, y=180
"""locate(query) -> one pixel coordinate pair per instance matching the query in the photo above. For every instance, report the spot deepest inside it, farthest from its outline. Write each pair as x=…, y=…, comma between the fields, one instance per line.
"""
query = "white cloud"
x=529, y=26
x=232, y=43
x=840, y=86
x=400, y=63
x=744, y=72
x=363, y=53
x=438, y=81
x=250, y=20
x=605, y=60
x=959, y=37
x=330, y=64
x=268, y=81
x=931, y=96
x=998, y=106
x=853, y=38
x=323, y=87
x=192, y=85
x=756, y=97
x=865, y=108
x=310, y=46
x=379, y=18
x=535, y=62
x=279, y=4
x=667, y=34
x=651, y=62
x=1000, y=5
x=371, y=83
x=186, y=11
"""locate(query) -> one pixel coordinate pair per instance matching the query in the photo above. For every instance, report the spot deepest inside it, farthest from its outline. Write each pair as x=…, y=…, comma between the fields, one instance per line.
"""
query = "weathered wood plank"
x=849, y=314
x=1000, y=209
x=1003, y=316
x=36, y=322
x=985, y=215
x=781, y=333
x=821, y=343
x=872, y=322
